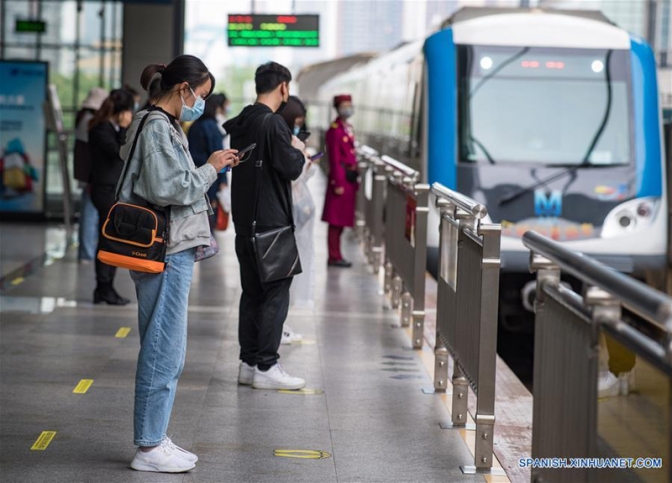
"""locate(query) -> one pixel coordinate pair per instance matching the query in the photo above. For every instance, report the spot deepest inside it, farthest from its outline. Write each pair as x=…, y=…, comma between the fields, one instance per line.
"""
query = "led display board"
x=30, y=26
x=254, y=30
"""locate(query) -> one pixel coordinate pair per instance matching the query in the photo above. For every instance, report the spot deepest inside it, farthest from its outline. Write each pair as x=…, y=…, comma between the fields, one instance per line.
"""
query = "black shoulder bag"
x=135, y=236
x=276, y=252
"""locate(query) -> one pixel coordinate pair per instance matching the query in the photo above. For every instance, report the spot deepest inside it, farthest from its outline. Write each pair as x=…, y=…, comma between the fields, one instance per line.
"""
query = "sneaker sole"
x=243, y=382
x=141, y=466
x=270, y=385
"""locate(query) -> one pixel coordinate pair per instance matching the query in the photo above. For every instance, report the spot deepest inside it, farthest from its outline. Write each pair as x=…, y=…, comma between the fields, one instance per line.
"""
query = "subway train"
x=551, y=118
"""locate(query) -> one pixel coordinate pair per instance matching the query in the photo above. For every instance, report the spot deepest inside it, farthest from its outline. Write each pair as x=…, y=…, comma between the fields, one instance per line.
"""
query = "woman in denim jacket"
x=163, y=174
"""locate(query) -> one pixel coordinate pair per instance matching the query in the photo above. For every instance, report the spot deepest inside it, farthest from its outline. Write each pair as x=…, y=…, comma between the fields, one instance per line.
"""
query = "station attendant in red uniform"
x=339, y=203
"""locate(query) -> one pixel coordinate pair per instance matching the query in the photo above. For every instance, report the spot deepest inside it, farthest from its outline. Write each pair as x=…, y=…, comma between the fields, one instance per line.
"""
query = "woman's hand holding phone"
x=223, y=158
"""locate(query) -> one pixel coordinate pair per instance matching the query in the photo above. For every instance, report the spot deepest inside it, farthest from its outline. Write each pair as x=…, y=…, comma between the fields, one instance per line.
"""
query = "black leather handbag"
x=351, y=175
x=276, y=253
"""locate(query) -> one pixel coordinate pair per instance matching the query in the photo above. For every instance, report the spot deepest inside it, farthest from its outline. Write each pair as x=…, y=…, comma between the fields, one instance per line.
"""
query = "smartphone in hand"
x=316, y=156
x=242, y=155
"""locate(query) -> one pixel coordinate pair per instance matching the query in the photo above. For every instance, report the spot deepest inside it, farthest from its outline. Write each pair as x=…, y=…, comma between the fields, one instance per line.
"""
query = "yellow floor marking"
x=18, y=280
x=303, y=342
x=83, y=386
x=43, y=441
x=302, y=392
x=306, y=454
x=123, y=332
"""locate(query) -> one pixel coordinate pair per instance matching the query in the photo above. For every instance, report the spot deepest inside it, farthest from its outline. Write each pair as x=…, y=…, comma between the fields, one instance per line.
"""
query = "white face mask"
x=346, y=112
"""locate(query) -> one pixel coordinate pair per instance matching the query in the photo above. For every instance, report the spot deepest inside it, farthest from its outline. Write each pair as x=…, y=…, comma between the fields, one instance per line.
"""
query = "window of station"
x=81, y=41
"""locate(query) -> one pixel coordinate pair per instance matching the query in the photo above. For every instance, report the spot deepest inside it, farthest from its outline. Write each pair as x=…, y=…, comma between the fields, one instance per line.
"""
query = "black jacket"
x=282, y=164
x=104, y=144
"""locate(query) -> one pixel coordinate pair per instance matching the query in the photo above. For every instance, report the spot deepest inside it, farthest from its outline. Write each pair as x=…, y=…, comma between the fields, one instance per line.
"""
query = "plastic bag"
x=224, y=197
x=303, y=206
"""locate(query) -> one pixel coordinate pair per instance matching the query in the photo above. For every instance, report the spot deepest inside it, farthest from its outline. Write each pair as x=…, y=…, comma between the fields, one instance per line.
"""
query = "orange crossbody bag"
x=135, y=236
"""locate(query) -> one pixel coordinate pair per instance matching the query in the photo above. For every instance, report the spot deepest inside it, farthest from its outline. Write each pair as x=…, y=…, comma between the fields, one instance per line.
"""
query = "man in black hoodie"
x=263, y=306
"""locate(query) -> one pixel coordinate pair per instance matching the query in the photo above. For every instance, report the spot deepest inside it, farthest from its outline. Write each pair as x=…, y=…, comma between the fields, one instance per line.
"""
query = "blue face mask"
x=297, y=130
x=192, y=113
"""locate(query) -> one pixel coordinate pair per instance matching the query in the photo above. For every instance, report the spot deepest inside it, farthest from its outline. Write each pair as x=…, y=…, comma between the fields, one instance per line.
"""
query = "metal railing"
x=391, y=215
x=466, y=319
x=369, y=210
x=406, y=210
x=566, y=355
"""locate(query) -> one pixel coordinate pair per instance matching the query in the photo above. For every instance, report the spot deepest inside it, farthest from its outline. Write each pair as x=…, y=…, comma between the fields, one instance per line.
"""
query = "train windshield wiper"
x=586, y=159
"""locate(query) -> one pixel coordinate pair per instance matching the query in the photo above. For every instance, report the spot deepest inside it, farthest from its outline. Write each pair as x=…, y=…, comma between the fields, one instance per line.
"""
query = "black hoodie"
x=282, y=164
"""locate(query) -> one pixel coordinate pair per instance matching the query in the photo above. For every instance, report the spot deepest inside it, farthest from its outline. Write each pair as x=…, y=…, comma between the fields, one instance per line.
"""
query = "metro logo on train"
x=547, y=203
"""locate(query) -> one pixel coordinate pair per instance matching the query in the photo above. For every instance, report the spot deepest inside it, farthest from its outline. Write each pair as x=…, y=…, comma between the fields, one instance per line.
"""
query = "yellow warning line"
x=17, y=281
x=304, y=342
x=83, y=386
x=302, y=392
x=43, y=441
x=123, y=332
x=306, y=454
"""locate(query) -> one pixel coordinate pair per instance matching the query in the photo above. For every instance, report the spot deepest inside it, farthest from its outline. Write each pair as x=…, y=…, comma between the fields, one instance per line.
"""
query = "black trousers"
x=103, y=199
x=263, y=310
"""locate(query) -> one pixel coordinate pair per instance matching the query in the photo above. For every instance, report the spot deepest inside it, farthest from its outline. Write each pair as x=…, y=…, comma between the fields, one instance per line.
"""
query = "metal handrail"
x=399, y=166
x=644, y=300
x=367, y=150
x=474, y=208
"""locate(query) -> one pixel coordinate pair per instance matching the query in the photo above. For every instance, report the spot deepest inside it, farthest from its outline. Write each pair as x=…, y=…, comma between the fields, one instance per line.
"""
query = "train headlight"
x=486, y=63
x=597, y=66
x=630, y=216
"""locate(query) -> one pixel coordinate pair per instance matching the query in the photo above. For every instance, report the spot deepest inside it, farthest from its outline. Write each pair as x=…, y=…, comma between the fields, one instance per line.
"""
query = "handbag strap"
x=259, y=178
x=130, y=155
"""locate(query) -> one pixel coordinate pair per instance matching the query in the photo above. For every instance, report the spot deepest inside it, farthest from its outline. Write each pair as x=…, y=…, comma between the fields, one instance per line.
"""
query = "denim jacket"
x=163, y=173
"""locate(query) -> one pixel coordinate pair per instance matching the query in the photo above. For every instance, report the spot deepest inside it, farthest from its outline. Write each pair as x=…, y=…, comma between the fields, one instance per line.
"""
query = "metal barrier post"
x=406, y=309
x=440, y=350
x=440, y=367
x=396, y=291
x=420, y=262
x=460, y=406
x=377, y=213
x=487, y=350
x=360, y=221
x=388, y=276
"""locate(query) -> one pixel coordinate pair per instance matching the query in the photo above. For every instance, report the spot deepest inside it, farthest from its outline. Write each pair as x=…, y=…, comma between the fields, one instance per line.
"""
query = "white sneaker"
x=627, y=382
x=245, y=374
x=276, y=378
x=608, y=385
x=187, y=455
x=162, y=459
x=289, y=336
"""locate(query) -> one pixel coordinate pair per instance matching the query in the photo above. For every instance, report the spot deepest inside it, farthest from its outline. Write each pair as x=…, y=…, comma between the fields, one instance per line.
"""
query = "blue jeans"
x=88, y=227
x=162, y=321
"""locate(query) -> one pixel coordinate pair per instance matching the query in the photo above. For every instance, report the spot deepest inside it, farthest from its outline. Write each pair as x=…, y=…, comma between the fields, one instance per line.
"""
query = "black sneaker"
x=339, y=263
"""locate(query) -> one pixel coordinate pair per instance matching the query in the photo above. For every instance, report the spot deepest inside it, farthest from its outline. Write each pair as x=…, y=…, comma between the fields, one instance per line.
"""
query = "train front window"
x=544, y=106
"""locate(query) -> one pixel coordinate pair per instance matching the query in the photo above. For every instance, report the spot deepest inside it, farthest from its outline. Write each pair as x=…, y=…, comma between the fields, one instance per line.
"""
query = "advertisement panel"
x=23, y=87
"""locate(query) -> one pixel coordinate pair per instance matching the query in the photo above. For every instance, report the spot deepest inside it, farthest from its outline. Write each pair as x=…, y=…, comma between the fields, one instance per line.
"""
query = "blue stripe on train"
x=648, y=153
x=441, y=94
